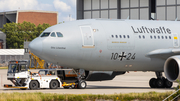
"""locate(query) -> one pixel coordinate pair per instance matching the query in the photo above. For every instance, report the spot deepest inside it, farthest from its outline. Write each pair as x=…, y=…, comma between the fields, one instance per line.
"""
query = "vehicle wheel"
x=82, y=84
x=160, y=83
x=33, y=85
x=66, y=87
x=152, y=83
x=167, y=83
x=54, y=84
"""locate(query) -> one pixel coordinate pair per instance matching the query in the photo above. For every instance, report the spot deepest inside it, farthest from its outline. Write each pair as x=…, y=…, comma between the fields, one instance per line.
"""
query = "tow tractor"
x=68, y=77
x=21, y=77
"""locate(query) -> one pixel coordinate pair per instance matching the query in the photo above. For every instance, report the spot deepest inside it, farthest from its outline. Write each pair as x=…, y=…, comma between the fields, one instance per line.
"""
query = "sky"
x=66, y=8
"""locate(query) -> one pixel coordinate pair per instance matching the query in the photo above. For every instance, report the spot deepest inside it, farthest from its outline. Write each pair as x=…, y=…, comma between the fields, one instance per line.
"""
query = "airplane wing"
x=163, y=53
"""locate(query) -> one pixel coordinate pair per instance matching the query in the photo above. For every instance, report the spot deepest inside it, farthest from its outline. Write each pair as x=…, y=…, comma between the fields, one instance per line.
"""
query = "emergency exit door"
x=87, y=37
x=175, y=40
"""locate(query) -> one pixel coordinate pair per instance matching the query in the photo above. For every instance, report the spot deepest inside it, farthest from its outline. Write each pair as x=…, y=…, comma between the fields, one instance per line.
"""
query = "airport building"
x=34, y=16
x=132, y=9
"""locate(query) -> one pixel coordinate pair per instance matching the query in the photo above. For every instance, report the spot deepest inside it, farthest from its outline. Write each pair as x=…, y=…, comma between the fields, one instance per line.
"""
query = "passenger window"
x=151, y=37
x=143, y=37
x=158, y=37
x=169, y=37
x=59, y=34
x=128, y=36
x=162, y=37
x=154, y=37
x=139, y=37
x=166, y=37
x=120, y=36
x=116, y=36
x=53, y=34
x=45, y=34
x=112, y=36
x=124, y=36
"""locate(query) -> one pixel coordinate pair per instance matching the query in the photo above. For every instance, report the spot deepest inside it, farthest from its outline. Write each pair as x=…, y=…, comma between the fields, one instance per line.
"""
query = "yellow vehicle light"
x=175, y=38
x=17, y=77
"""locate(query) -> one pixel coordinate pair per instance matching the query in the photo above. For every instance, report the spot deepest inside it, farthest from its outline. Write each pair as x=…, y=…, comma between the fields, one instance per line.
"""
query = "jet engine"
x=172, y=68
x=101, y=75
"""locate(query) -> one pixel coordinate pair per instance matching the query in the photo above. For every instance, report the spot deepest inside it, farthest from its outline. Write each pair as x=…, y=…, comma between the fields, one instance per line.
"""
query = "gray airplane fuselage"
x=108, y=45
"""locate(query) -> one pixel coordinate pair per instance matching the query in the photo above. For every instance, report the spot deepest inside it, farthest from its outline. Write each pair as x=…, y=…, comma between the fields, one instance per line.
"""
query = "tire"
x=54, y=84
x=33, y=85
x=152, y=83
x=167, y=83
x=82, y=84
x=160, y=83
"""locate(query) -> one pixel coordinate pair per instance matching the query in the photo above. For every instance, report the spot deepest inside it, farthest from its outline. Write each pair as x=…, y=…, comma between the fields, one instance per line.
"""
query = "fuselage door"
x=175, y=40
x=87, y=37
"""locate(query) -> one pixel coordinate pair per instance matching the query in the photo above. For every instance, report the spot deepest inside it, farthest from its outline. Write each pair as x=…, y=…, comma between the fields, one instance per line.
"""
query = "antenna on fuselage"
x=128, y=18
x=176, y=19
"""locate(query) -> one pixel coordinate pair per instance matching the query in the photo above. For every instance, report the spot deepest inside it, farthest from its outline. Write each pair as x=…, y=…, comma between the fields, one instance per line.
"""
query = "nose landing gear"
x=160, y=82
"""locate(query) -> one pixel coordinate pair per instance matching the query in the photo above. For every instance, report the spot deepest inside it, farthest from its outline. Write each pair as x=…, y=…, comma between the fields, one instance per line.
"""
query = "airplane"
x=102, y=49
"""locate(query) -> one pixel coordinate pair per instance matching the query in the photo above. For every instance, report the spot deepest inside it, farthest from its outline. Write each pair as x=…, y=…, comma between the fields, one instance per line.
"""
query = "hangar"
x=132, y=9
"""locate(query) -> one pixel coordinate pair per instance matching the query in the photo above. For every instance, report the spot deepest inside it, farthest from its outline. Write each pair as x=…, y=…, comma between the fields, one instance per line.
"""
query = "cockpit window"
x=45, y=34
x=53, y=34
x=59, y=34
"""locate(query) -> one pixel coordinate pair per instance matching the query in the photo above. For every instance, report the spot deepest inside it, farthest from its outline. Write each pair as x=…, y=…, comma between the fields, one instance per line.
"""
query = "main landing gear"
x=160, y=82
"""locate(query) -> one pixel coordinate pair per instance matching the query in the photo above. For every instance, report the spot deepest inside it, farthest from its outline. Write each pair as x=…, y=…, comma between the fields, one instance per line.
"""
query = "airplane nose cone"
x=35, y=46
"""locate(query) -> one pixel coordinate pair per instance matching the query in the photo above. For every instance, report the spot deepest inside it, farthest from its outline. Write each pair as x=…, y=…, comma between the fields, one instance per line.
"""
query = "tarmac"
x=132, y=82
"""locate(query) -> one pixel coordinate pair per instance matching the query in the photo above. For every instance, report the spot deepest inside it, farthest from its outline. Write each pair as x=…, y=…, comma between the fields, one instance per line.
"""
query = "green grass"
x=3, y=67
x=151, y=96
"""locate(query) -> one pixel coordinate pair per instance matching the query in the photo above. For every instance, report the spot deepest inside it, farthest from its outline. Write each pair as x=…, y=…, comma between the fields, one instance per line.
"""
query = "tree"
x=17, y=33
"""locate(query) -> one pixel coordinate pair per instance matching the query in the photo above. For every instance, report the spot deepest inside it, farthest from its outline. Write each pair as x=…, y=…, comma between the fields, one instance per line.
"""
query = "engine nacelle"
x=172, y=68
x=101, y=75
